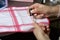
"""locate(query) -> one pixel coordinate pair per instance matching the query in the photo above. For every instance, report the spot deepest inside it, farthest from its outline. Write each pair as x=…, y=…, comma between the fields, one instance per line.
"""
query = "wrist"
x=53, y=10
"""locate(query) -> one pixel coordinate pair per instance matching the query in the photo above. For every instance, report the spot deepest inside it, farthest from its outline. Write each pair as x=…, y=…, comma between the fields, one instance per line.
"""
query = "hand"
x=39, y=32
x=39, y=10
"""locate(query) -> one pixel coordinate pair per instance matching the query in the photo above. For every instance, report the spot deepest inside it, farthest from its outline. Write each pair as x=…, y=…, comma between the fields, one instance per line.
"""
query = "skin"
x=39, y=32
x=40, y=11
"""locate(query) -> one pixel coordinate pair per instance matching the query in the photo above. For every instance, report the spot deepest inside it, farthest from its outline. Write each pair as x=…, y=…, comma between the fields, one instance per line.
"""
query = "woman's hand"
x=40, y=10
x=39, y=32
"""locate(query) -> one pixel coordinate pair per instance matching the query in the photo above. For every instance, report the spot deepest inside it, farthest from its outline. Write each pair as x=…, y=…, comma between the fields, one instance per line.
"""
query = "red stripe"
x=19, y=8
x=19, y=25
x=24, y=24
x=14, y=18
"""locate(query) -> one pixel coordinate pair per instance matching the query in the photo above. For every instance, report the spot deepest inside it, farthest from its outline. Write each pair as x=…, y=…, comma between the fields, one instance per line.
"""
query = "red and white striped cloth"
x=16, y=19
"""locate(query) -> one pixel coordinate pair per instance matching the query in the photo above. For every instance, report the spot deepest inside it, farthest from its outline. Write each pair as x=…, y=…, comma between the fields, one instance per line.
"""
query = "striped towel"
x=16, y=19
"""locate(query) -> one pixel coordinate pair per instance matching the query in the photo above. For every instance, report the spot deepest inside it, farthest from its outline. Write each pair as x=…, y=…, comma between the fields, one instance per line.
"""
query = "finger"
x=39, y=16
x=35, y=15
x=43, y=26
x=48, y=29
x=34, y=10
x=36, y=25
x=37, y=28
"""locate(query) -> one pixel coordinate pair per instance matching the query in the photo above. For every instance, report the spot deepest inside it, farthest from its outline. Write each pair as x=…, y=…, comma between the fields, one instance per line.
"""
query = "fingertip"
x=33, y=11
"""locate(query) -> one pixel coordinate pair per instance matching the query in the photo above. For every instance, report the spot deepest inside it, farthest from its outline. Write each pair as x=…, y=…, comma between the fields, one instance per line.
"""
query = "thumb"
x=38, y=26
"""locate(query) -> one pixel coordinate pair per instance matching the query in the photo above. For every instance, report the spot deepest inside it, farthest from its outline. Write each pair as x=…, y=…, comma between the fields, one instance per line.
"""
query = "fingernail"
x=47, y=26
x=48, y=29
x=43, y=28
x=32, y=11
x=35, y=14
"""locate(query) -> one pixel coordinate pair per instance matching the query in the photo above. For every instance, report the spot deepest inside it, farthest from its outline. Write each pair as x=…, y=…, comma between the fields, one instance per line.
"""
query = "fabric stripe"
x=15, y=19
